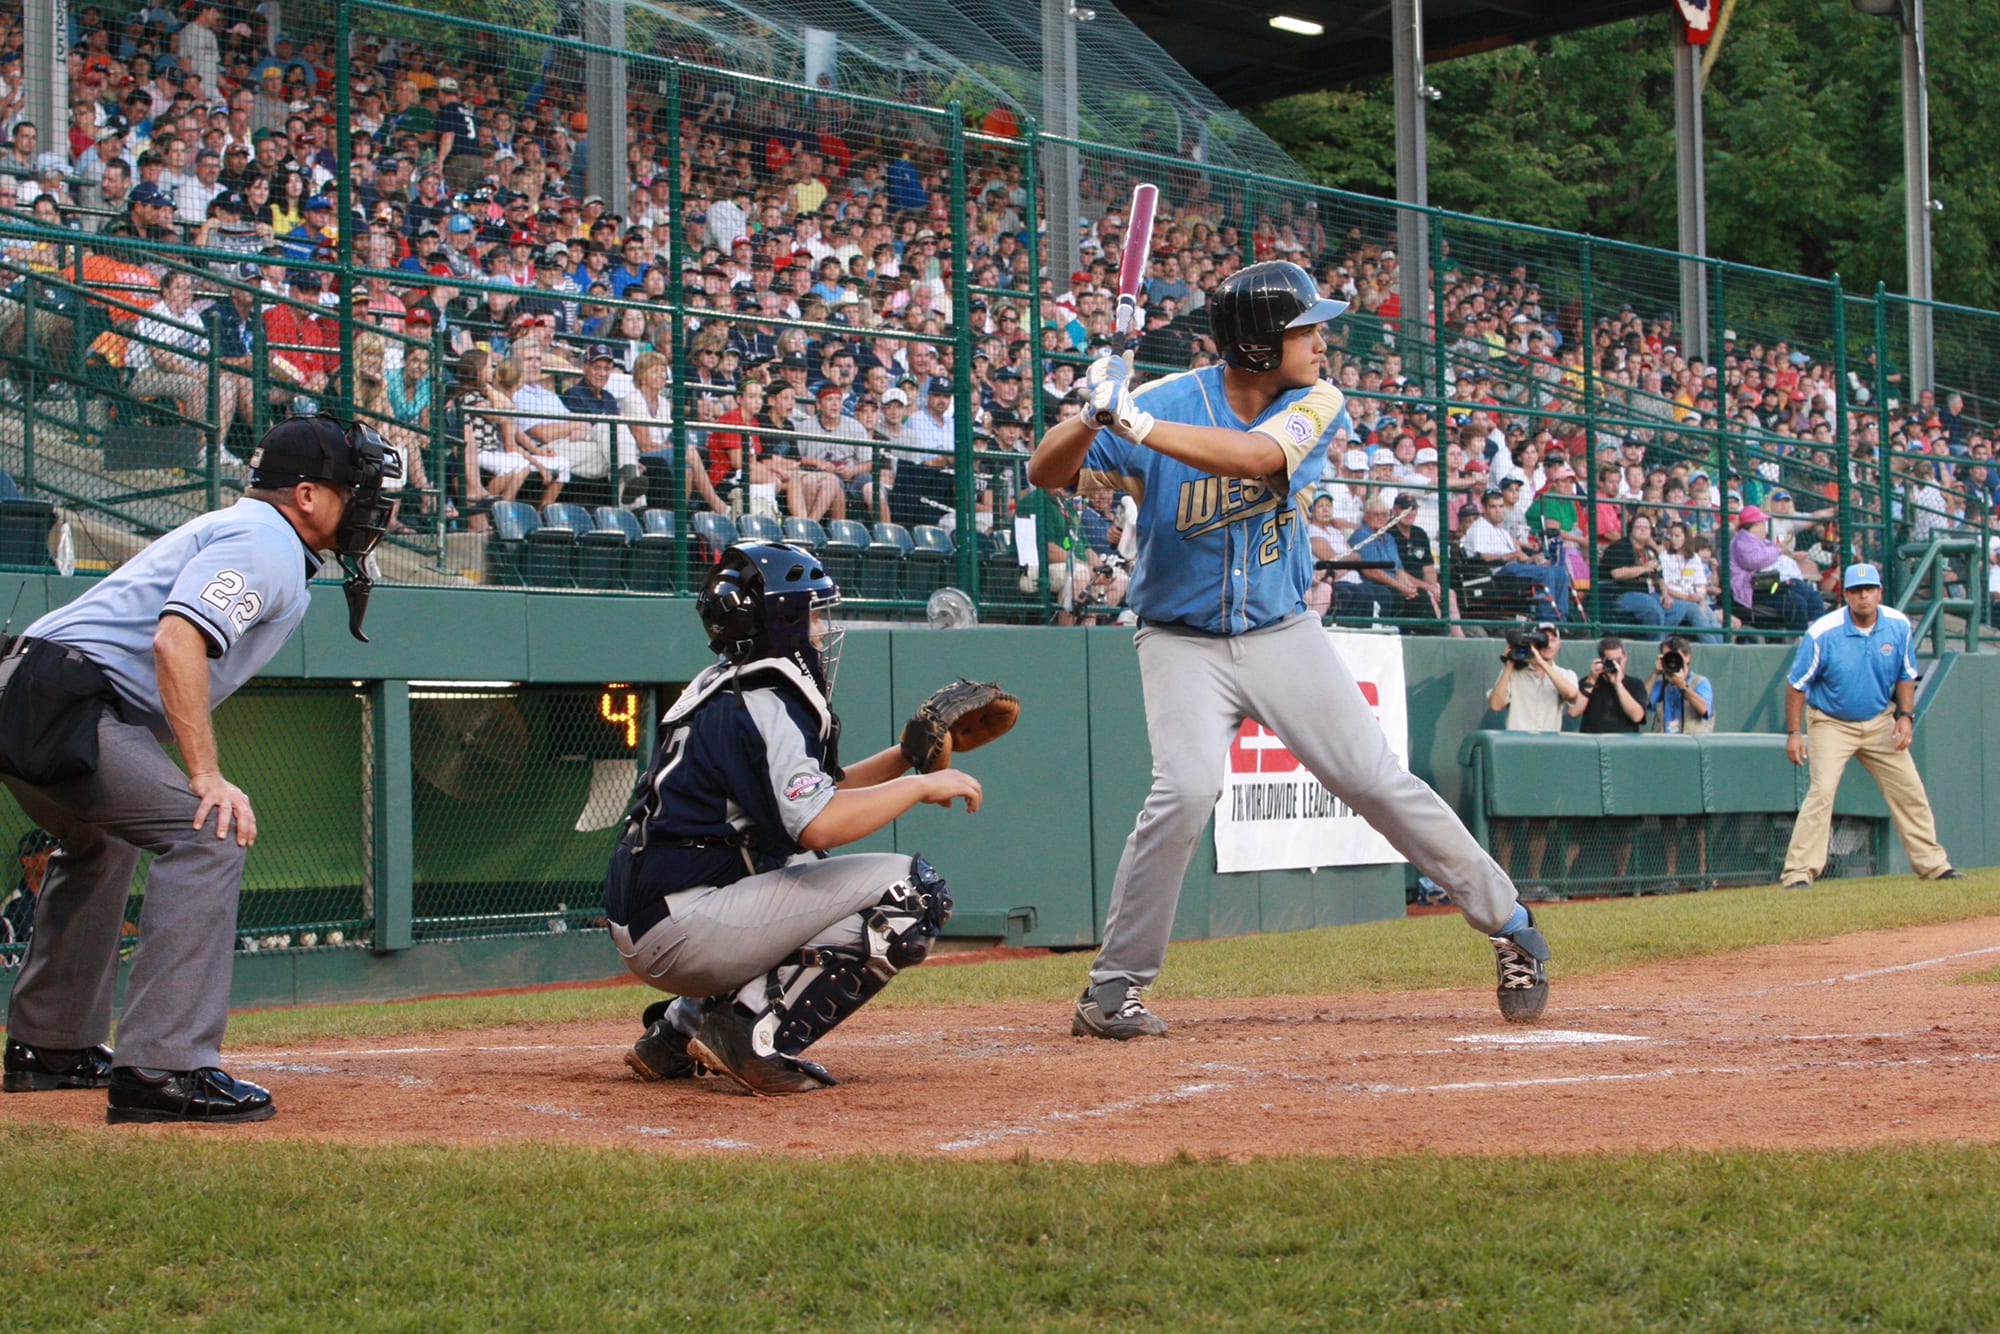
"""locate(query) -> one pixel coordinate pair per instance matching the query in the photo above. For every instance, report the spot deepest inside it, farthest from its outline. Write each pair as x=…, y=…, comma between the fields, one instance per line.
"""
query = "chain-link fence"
x=600, y=370
x=515, y=796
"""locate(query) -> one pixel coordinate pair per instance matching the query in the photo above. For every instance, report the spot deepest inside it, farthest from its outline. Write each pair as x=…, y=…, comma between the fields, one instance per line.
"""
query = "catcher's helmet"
x=758, y=602
x=1252, y=308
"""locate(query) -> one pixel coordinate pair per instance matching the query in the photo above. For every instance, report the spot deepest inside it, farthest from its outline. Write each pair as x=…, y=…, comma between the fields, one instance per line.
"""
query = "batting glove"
x=1107, y=369
x=1113, y=405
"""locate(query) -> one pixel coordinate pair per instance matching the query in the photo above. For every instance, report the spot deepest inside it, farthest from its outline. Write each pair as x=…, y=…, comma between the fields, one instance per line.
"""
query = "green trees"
x=1804, y=139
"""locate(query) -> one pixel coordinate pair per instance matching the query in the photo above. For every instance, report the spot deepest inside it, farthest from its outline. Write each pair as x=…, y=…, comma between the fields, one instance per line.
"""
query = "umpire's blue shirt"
x=1851, y=673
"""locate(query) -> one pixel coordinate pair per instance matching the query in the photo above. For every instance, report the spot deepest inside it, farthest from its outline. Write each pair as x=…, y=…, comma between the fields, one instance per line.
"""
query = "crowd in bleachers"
x=518, y=318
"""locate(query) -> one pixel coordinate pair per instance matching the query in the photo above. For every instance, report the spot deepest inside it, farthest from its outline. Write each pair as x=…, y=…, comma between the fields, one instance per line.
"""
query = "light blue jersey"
x=240, y=575
x=1851, y=673
x=1222, y=555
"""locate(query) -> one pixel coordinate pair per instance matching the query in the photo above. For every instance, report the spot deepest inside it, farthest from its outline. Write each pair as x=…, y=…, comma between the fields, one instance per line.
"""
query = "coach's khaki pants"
x=1831, y=743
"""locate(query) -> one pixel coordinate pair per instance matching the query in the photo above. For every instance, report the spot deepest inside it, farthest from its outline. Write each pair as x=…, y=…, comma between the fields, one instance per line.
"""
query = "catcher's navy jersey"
x=1220, y=554
x=737, y=774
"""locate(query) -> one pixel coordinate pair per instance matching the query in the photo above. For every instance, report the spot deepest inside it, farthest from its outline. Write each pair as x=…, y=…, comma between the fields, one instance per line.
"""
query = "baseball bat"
x=1132, y=265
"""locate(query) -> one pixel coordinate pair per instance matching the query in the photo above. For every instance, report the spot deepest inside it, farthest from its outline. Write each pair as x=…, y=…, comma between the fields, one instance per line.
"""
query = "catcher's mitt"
x=962, y=716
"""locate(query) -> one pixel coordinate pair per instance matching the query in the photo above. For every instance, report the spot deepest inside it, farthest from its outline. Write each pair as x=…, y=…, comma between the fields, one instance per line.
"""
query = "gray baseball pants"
x=1199, y=689
x=177, y=1001
x=720, y=938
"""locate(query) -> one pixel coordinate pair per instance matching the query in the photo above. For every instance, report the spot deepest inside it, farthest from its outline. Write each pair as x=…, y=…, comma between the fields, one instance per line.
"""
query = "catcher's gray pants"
x=719, y=938
x=1199, y=689
x=177, y=1001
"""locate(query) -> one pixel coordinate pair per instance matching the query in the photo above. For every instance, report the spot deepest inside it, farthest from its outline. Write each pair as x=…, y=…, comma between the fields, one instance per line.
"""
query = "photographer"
x=1681, y=701
x=1610, y=700
x=1532, y=689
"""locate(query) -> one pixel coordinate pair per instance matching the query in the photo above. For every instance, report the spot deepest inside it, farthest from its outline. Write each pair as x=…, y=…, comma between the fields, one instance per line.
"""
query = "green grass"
x=122, y=1231
x=1409, y=953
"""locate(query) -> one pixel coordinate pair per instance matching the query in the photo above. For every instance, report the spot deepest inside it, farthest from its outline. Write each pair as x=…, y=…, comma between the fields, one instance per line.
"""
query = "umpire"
x=87, y=695
x=1852, y=665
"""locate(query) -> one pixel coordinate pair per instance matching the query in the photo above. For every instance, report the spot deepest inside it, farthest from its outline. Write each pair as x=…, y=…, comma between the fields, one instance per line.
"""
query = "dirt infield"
x=1856, y=1040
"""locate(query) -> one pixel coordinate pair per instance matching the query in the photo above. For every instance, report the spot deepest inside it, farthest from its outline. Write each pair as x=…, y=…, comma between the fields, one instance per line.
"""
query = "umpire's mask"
x=326, y=449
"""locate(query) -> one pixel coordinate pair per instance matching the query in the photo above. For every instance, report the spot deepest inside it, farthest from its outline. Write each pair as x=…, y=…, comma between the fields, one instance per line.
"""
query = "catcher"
x=721, y=891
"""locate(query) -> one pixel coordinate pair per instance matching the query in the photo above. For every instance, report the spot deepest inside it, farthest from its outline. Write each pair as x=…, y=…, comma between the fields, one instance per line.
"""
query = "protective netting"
x=517, y=793
x=1561, y=858
x=842, y=195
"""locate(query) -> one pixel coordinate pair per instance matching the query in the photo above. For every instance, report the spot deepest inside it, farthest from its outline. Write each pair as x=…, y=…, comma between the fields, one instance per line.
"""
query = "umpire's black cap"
x=302, y=449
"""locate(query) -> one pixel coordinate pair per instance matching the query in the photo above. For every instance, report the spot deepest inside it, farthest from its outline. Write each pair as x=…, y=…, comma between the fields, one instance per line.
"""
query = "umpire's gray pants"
x=177, y=1001
x=719, y=938
x=1199, y=689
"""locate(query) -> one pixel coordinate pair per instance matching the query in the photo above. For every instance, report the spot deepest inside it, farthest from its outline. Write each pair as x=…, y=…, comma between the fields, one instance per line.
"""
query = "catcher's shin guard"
x=811, y=996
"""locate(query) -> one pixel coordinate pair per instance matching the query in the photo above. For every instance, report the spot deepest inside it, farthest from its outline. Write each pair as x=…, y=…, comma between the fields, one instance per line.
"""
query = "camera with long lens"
x=1521, y=645
x=1672, y=662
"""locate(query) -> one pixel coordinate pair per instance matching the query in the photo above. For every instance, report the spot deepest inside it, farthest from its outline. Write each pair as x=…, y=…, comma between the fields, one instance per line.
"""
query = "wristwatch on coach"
x=1900, y=715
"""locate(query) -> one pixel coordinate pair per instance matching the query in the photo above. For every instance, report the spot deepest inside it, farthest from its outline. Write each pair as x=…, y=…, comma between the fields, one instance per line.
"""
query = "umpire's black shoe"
x=727, y=1046
x=211, y=1095
x=39, y=1069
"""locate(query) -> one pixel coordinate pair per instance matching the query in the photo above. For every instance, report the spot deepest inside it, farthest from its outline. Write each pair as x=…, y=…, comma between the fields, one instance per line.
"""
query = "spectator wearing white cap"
x=1423, y=490
x=1351, y=496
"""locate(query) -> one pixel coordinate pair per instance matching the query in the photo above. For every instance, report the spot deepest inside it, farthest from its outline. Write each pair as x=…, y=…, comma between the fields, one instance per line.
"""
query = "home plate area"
x=1855, y=1040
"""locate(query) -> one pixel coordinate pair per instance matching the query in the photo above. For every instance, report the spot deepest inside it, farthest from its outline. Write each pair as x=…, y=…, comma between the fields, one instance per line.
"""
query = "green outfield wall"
x=435, y=808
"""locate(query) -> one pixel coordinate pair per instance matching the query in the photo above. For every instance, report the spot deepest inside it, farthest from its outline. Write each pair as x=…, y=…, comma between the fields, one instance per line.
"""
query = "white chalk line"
x=1791, y=1068
x=1036, y=1125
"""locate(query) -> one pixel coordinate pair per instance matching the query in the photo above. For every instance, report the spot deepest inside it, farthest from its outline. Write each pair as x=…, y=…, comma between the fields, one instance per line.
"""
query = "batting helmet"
x=758, y=602
x=1252, y=308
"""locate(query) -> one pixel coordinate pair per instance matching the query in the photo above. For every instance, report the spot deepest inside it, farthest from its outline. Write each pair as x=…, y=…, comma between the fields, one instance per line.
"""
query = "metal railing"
x=1607, y=310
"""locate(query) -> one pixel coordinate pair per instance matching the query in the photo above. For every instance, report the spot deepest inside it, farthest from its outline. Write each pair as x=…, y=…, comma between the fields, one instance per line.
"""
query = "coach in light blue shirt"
x=1852, y=665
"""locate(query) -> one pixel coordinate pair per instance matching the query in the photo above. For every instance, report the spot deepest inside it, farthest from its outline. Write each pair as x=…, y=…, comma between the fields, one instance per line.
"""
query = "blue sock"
x=1514, y=923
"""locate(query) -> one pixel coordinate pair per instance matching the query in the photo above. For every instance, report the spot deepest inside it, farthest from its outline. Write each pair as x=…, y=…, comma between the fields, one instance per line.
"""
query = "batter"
x=1220, y=461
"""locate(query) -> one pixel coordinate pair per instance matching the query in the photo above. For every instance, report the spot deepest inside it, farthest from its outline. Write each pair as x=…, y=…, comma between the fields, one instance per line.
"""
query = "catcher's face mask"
x=827, y=637
x=326, y=449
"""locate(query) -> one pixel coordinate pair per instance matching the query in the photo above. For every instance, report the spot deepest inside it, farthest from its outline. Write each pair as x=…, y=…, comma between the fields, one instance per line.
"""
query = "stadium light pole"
x=45, y=72
x=1059, y=161
x=1413, y=191
x=604, y=104
x=1917, y=202
x=1691, y=191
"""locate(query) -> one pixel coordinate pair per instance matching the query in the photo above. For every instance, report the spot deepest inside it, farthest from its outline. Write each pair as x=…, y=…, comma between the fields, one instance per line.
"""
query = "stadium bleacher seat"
x=25, y=526
x=1000, y=576
x=882, y=561
x=841, y=553
x=715, y=532
x=550, y=560
x=505, y=549
x=602, y=552
x=653, y=552
x=759, y=528
x=806, y=532
x=931, y=561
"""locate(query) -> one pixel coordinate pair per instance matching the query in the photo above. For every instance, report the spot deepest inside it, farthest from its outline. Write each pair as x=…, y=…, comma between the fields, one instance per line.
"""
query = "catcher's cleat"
x=1524, y=984
x=661, y=1052
x=1128, y=1018
x=39, y=1069
x=726, y=1044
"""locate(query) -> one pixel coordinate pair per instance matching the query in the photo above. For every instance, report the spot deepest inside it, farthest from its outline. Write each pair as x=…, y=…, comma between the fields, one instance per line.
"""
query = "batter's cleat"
x=661, y=1053
x=726, y=1045
x=39, y=1069
x=211, y=1095
x=1524, y=984
x=1127, y=1018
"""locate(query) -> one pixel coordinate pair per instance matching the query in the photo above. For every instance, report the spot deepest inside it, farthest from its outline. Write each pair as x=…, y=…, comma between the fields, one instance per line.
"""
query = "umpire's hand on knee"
x=230, y=804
